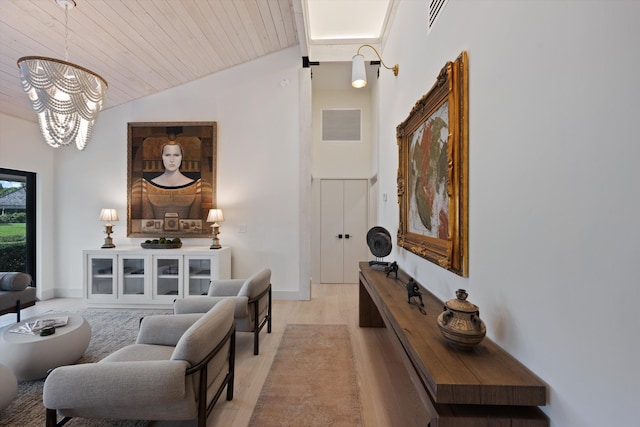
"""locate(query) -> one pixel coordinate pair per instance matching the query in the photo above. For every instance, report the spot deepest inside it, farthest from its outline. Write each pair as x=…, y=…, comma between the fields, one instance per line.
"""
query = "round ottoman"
x=8, y=386
x=32, y=356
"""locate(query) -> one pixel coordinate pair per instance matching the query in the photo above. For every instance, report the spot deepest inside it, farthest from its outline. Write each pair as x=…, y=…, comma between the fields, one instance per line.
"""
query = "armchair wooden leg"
x=269, y=313
x=52, y=419
x=232, y=366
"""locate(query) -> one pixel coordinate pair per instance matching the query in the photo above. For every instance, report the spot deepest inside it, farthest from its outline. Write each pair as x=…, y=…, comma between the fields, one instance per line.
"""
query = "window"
x=18, y=221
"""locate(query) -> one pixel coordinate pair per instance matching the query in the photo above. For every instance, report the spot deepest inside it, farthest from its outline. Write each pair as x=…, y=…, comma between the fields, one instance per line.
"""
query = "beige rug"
x=312, y=381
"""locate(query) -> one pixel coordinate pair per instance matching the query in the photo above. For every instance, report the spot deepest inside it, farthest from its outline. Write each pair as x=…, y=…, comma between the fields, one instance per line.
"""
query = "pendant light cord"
x=66, y=33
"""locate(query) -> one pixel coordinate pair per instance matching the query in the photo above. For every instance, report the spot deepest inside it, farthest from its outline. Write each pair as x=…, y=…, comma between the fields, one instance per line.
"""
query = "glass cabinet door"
x=132, y=275
x=101, y=278
x=198, y=276
x=168, y=279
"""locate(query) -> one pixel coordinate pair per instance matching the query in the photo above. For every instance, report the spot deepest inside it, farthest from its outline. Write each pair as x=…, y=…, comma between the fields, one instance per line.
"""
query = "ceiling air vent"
x=435, y=7
x=340, y=125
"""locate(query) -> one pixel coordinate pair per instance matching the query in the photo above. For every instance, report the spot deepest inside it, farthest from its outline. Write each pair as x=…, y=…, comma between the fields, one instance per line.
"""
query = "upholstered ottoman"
x=31, y=356
x=8, y=386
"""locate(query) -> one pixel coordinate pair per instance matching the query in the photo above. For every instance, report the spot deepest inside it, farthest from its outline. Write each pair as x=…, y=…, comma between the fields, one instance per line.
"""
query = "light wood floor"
x=388, y=397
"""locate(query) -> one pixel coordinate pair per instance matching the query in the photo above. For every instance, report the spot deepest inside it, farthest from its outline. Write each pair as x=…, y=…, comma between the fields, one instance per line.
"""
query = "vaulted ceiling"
x=141, y=47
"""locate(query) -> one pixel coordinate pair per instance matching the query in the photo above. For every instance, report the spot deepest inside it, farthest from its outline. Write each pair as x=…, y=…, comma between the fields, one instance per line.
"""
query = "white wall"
x=257, y=179
x=344, y=160
x=22, y=147
x=554, y=197
x=337, y=160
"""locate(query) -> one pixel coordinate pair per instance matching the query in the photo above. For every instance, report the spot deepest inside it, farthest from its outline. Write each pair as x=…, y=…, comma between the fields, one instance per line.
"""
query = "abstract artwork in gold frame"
x=433, y=172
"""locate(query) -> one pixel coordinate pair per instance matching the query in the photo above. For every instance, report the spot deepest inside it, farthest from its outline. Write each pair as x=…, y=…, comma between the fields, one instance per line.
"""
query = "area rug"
x=110, y=330
x=312, y=381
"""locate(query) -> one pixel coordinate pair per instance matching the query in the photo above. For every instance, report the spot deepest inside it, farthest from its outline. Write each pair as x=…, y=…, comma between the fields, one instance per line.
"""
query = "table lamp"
x=108, y=215
x=215, y=216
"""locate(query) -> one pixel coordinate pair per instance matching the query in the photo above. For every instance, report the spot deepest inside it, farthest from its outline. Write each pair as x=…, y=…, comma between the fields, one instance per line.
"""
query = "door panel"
x=331, y=224
x=355, y=226
x=343, y=225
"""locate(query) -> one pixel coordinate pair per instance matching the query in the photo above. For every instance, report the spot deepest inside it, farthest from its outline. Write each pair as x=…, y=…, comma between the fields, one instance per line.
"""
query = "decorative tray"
x=161, y=245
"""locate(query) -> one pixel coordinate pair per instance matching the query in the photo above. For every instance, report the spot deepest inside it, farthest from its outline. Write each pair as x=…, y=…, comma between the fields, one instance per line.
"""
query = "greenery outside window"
x=17, y=221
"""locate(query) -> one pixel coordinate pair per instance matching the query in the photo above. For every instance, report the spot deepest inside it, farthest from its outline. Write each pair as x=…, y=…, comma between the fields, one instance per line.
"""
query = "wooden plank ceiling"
x=140, y=47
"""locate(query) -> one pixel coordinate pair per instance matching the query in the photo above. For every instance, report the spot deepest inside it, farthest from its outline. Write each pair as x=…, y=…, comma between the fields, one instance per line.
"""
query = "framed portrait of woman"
x=171, y=178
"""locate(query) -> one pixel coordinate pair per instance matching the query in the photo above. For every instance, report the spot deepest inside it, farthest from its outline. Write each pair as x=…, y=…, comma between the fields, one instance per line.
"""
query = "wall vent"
x=435, y=7
x=341, y=125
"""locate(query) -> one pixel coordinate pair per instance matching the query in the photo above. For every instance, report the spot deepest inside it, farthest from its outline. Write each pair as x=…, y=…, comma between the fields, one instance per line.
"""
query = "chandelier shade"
x=66, y=97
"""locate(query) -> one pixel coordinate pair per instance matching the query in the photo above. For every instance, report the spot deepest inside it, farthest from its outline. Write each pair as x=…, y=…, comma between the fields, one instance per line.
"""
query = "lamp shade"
x=358, y=72
x=215, y=215
x=109, y=215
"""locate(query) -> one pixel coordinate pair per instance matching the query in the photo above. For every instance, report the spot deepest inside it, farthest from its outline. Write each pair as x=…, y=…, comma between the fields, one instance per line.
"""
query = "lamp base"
x=215, y=230
x=108, y=241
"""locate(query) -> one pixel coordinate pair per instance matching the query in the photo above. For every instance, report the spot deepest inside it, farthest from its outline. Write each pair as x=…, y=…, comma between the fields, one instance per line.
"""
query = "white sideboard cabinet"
x=133, y=276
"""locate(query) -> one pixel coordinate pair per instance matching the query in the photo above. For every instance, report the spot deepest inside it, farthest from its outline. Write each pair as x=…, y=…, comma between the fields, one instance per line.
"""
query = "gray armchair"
x=252, y=299
x=176, y=370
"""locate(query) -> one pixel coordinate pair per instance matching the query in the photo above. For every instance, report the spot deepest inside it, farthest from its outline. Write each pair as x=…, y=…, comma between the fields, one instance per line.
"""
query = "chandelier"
x=66, y=97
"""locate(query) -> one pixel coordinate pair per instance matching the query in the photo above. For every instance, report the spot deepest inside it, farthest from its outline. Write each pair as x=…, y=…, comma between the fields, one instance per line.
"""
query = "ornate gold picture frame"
x=433, y=172
x=171, y=178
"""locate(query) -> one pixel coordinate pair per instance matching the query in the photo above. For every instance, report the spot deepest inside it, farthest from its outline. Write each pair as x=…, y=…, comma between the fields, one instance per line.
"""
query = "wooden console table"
x=482, y=387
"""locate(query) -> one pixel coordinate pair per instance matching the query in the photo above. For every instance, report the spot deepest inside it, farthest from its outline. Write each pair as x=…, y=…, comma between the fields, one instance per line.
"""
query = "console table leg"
x=369, y=316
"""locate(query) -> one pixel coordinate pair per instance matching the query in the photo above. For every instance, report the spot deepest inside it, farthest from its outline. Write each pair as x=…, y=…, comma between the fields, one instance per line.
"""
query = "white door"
x=343, y=229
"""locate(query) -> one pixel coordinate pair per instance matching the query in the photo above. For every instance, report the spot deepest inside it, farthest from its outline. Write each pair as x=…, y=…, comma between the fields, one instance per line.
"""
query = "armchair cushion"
x=225, y=288
x=202, y=305
x=194, y=345
x=87, y=385
x=164, y=329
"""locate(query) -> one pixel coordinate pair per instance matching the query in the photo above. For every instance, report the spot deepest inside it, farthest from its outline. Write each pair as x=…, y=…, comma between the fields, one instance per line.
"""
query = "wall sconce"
x=359, y=74
x=214, y=216
x=108, y=215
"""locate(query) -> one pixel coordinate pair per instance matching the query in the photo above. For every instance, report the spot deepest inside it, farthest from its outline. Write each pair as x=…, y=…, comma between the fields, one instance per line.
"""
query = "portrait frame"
x=433, y=172
x=155, y=210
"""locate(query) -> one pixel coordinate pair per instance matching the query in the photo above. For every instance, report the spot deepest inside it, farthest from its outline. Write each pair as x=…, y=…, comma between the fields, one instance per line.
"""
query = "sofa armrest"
x=115, y=384
x=165, y=329
x=225, y=288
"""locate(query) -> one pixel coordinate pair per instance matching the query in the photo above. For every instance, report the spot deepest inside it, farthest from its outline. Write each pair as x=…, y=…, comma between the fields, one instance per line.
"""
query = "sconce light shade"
x=358, y=72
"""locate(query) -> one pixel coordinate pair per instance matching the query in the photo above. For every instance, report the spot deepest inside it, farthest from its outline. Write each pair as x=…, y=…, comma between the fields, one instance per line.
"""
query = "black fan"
x=379, y=242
